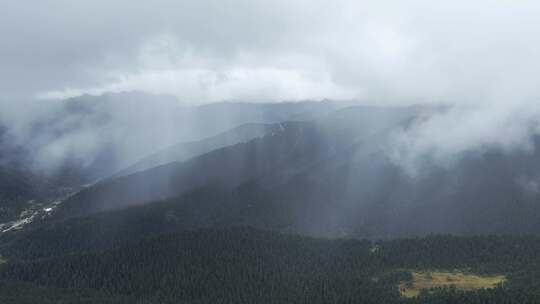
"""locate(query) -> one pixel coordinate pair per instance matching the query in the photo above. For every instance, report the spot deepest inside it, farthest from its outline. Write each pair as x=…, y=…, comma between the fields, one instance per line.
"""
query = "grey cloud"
x=478, y=57
x=392, y=50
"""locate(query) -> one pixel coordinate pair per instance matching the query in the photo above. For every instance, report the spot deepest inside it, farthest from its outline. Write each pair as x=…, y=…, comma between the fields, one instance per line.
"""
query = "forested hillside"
x=333, y=176
x=243, y=265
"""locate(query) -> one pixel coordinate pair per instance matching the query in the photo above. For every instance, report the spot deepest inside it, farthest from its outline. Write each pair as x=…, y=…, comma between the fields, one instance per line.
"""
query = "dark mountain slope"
x=97, y=136
x=282, y=153
x=329, y=207
x=130, y=126
x=78, y=141
x=327, y=179
x=287, y=150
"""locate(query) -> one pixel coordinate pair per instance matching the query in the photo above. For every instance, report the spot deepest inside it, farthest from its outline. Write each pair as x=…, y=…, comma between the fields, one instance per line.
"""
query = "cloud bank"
x=480, y=57
x=409, y=51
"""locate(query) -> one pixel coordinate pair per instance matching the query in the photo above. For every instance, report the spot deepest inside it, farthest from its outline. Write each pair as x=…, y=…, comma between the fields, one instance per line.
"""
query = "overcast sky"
x=207, y=50
x=480, y=56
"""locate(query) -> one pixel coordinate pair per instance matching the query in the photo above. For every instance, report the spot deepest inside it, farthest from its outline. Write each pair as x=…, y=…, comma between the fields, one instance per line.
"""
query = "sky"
x=480, y=57
x=202, y=50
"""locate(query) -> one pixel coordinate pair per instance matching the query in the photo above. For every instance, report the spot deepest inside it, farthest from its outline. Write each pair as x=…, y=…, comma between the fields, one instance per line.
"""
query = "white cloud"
x=200, y=85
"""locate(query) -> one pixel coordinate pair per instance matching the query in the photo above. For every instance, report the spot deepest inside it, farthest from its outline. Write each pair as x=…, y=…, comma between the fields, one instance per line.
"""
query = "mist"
x=478, y=59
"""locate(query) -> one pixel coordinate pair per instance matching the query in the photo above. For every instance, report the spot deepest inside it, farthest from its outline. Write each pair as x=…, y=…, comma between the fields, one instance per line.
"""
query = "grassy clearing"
x=425, y=280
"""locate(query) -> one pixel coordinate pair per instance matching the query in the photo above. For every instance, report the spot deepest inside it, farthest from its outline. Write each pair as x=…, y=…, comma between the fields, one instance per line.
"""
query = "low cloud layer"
x=480, y=58
x=444, y=137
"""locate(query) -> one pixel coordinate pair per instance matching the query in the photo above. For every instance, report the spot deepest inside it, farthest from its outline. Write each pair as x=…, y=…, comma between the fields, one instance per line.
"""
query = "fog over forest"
x=269, y=151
